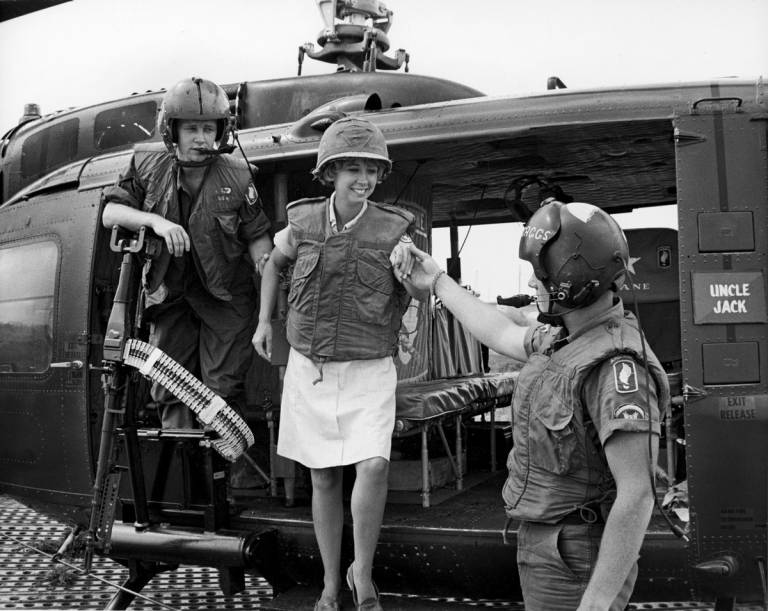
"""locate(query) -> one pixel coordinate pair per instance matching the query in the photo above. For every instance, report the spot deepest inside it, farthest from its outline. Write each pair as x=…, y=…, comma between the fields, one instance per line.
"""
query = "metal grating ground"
x=25, y=583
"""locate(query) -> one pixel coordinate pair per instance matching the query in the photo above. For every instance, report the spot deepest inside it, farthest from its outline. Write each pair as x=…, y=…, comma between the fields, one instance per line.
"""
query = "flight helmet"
x=351, y=137
x=198, y=99
x=578, y=252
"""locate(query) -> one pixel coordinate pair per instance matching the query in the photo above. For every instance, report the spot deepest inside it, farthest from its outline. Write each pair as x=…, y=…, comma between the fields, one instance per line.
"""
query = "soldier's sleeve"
x=621, y=395
x=127, y=190
x=254, y=222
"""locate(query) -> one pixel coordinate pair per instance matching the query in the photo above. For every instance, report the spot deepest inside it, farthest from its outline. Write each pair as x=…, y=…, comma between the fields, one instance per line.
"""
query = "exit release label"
x=728, y=297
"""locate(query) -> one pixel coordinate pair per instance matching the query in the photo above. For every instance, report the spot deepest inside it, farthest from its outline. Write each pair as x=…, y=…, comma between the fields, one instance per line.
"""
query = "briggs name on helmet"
x=537, y=233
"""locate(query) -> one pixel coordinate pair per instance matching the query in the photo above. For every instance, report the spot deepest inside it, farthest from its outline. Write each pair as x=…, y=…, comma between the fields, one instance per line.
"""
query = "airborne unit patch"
x=625, y=375
x=252, y=195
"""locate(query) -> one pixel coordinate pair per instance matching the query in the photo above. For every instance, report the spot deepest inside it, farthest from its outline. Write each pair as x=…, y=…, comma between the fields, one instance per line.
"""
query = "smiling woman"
x=460, y=160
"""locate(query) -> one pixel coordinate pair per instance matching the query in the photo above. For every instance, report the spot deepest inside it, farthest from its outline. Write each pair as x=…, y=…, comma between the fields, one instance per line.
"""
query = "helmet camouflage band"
x=350, y=138
x=194, y=99
x=577, y=251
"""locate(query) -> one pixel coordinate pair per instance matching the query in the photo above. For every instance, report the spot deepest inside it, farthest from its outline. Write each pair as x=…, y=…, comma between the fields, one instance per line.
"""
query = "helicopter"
x=78, y=437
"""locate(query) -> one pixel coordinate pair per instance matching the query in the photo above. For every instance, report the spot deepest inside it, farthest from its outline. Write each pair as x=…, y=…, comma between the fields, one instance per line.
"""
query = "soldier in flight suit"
x=200, y=294
x=585, y=410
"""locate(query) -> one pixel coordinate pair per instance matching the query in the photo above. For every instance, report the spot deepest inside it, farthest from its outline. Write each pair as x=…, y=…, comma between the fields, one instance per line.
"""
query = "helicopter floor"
x=478, y=506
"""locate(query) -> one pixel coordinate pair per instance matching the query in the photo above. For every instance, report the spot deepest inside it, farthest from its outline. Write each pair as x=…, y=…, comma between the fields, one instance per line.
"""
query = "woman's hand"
x=402, y=259
x=262, y=339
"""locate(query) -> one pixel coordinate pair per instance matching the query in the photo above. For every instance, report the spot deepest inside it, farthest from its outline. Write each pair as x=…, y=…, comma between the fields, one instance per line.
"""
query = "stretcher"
x=426, y=405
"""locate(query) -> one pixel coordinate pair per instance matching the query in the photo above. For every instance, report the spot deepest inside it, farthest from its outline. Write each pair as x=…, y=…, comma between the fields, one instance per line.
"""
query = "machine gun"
x=224, y=432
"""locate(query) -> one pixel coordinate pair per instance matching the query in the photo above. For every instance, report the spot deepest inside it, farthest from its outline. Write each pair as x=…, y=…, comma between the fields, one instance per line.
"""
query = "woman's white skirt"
x=347, y=417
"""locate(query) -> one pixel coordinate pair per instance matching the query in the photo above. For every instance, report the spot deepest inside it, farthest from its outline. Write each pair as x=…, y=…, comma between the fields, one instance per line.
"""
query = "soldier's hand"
x=262, y=340
x=175, y=236
x=423, y=269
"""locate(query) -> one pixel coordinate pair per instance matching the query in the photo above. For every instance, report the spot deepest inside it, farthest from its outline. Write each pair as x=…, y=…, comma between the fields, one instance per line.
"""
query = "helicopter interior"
x=433, y=406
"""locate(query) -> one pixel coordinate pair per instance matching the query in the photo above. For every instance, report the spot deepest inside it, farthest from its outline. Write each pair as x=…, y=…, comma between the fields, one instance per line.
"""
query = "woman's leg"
x=369, y=496
x=328, y=519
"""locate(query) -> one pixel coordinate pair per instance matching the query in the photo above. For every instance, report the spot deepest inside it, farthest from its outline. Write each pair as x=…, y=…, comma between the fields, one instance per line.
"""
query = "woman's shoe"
x=369, y=604
x=326, y=605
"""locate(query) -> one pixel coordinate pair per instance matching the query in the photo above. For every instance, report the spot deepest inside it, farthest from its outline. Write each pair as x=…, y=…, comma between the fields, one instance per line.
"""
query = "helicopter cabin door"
x=722, y=191
x=46, y=269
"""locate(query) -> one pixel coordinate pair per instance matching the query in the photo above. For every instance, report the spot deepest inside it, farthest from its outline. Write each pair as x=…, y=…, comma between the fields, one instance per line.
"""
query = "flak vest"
x=344, y=302
x=556, y=464
x=213, y=224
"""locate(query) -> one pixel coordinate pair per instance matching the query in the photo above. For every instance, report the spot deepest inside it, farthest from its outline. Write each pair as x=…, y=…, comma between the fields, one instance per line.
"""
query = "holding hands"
x=401, y=258
x=418, y=277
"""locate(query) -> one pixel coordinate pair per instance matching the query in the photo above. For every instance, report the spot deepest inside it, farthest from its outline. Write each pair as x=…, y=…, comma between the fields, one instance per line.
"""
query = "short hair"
x=328, y=173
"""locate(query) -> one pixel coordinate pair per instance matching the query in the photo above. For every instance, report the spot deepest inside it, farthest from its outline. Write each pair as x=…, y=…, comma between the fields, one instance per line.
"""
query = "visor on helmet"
x=577, y=251
x=540, y=230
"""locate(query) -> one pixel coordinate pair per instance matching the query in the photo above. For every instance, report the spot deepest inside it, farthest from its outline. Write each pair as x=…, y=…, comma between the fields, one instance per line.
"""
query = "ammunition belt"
x=235, y=437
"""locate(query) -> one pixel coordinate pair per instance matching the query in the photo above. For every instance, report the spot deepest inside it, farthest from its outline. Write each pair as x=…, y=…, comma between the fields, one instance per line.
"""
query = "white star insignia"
x=631, y=264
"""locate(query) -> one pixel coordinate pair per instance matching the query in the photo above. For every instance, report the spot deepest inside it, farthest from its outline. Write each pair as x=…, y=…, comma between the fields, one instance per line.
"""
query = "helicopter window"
x=123, y=126
x=49, y=148
x=27, y=283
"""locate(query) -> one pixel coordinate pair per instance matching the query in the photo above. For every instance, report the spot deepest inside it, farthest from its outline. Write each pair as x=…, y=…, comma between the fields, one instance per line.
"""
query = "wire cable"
x=471, y=223
x=83, y=572
x=678, y=532
x=408, y=182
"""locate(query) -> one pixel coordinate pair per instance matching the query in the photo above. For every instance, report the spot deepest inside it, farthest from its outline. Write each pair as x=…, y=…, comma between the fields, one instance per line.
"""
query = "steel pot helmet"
x=578, y=251
x=196, y=99
x=351, y=137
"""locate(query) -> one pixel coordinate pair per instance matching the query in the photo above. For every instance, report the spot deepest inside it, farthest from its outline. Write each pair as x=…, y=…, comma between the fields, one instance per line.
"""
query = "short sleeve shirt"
x=254, y=222
x=619, y=393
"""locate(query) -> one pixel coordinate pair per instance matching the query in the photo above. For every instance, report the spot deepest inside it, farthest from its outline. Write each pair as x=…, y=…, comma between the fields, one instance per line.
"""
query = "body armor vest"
x=344, y=301
x=213, y=223
x=556, y=463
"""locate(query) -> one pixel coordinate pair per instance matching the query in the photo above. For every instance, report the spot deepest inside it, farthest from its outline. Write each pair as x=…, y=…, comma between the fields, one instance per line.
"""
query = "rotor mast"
x=358, y=41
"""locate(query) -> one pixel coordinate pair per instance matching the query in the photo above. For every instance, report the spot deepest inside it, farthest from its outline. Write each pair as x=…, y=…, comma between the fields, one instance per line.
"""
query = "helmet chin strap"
x=193, y=164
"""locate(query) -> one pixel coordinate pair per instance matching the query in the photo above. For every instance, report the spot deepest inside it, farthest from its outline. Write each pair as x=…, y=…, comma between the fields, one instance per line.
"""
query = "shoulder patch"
x=251, y=195
x=625, y=375
x=629, y=411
